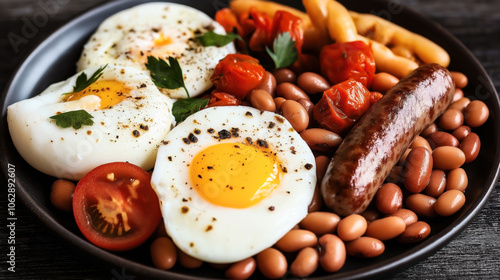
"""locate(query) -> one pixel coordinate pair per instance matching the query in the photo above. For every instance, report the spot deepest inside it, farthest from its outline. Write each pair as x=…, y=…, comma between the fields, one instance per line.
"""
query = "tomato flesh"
x=115, y=207
x=350, y=60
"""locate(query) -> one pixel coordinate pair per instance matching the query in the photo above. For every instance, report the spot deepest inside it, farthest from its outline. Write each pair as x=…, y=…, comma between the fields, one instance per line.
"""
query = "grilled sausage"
x=377, y=141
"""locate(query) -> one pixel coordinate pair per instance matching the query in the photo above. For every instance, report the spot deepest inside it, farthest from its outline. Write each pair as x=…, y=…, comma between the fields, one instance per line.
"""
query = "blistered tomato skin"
x=115, y=207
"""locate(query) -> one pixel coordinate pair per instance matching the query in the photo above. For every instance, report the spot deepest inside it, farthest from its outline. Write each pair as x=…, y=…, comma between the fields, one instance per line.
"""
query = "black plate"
x=54, y=60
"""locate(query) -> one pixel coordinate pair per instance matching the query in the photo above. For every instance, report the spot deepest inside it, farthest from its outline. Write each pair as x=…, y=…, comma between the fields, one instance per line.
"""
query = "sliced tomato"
x=284, y=21
x=261, y=35
x=350, y=60
x=115, y=207
x=222, y=99
x=342, y=105
x=237, y=74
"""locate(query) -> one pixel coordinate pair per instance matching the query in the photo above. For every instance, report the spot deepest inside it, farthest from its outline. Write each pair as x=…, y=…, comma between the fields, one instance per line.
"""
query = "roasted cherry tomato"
x=342, y=105
x=261, y=35
x=228, y=19
x=284, y=21
x=351, y=60
x=115, y=207
x=222, y=99
x=237, y=74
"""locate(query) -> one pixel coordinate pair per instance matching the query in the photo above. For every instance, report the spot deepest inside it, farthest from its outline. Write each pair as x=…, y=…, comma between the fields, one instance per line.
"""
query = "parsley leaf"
x=284, y=49
x=82, y=82
x=166, y=75
x=183, y=108
x=211, y=38
x=75, y=119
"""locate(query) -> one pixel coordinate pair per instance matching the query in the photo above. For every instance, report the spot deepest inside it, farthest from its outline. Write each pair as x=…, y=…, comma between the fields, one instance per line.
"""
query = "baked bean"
x=449, y=202
x=187, y=261
x=321, y=166
x=320, y=222
x=417, y=169
x=297, y=239
x=316, y=202
x=420, y=141
x=386, y=228
x=407, y=215
x=451, y=119
x=321, y=140
x=305, y=263
x=396, y=175
x=308, y=105
x=459, y=78
x=370, y=214
x=415, y=232
x=268, y=83
x=163, y=253
x=285, y=75
x=457, y=180
x=441, y=138
x=262, y=100
x=383, y=81
x=242, y=269
x=389, y=198
x=429, y=130
x=460, y=104
x=448, y=158
x=332, y=252
x=312, y=83
x=459, y=94
x=461, y=132
x=351, y=227
x=296, y=114
x=470, y=146
x=279, y=101
x=272, y=263
x=61, y=194
x=421, y=204
x=437, y=183
x=365, y=247
x=290, y=91
x=476, y=113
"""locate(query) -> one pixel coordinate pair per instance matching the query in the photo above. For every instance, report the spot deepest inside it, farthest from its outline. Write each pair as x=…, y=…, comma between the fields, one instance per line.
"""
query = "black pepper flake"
x=209, y=228
x=262, y=143
x=184, y=209
x=284, y=169
x=271, y=208
x=185, y=140
x=165, y=142
x=237, y=146
x=169, y=158
x=199, y=176
x=224, y=134
x=142, y=86
x=136, y=133
x=271, y=125
x=197, y=131
x=292, y=149
x=210, y=130
x=235, y=132
x=144, y=127
x=192, y=138
x=214, y=219
x=210, y=167
x=191, y=244
x=249, y=140
x=308, y=166
x=184, y=200
x=279, y=119
x=248, y=114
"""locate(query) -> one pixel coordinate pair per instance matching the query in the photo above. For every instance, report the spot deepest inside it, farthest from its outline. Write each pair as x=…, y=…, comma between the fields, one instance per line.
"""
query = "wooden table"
x=40, y=254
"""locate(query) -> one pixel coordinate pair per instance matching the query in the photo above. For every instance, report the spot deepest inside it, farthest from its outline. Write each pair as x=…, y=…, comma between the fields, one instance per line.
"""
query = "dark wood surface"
x=40, y=254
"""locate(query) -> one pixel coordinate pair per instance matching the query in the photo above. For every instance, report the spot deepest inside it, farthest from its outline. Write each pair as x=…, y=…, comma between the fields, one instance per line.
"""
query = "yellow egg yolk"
x=235, y=175
x=110, y=92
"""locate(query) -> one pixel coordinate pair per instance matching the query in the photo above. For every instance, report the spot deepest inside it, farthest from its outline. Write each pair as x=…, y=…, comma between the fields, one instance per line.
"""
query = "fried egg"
x=130, y=118
x=161, y=30
x=232, y=181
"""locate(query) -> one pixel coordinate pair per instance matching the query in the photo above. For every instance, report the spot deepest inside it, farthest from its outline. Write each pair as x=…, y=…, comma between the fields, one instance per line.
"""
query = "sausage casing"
x=382, y=135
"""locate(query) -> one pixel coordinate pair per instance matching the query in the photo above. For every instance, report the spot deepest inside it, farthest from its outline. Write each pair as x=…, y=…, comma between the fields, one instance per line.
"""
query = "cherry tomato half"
x=342, y=105
x=350, y=60
x=222, y=99
x=115, y=207
x=237, y=74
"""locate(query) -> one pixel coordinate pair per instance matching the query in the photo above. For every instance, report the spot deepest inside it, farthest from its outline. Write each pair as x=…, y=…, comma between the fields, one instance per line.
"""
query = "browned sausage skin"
x=377, y=141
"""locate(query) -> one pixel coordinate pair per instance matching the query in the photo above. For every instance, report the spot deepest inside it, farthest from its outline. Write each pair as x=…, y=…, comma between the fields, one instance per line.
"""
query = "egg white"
x=127, y=37
x=70, y=153
x=219, y=234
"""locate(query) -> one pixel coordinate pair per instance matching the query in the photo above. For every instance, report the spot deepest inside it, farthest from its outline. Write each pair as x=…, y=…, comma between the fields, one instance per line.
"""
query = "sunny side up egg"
x=232, y=181
x=161, y=30
x=130, y=118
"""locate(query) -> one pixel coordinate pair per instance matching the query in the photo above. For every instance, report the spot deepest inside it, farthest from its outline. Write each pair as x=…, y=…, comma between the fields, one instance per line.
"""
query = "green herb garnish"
x=211, y=38
x=183, y=108
x=82, y=82
x=166, y=75
x=284, y=52
x=75, y=119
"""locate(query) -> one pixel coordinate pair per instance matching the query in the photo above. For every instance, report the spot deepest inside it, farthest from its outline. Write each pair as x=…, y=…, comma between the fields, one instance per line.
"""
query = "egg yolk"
x=235, y=175
x=110, y=92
